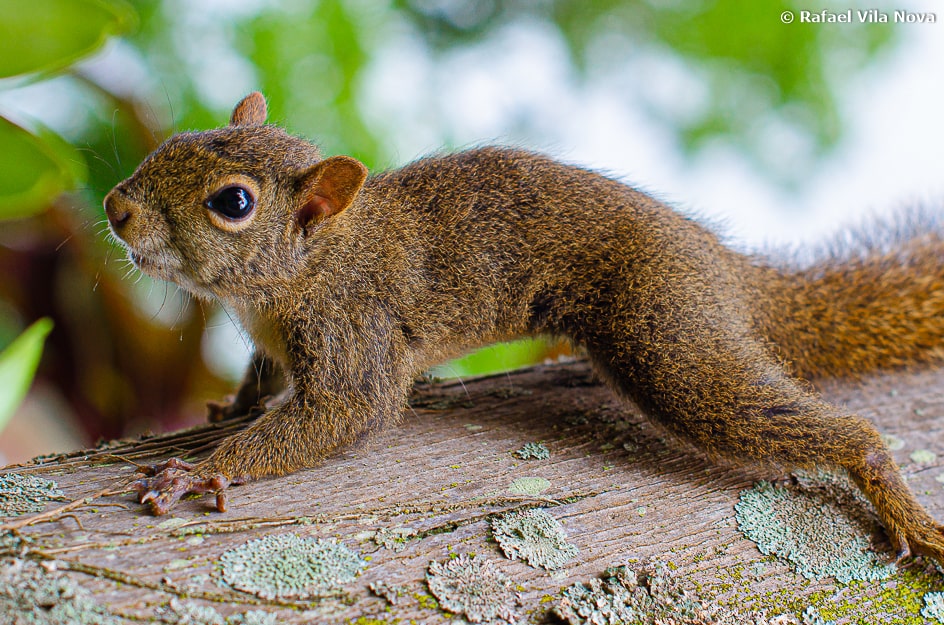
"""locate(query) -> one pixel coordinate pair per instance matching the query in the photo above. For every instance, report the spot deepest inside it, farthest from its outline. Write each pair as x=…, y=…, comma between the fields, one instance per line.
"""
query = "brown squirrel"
x=350, y=285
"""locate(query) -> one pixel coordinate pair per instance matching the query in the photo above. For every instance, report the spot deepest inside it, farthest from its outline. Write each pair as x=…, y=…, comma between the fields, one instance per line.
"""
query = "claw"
x=901, y=555
x=170, y=463
x=168, y=482
x=900, y=545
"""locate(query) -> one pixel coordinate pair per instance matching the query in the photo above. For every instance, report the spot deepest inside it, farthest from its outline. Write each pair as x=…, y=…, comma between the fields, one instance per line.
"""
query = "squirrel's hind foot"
x=924, y=539
x=910, y=529
x=166, y=483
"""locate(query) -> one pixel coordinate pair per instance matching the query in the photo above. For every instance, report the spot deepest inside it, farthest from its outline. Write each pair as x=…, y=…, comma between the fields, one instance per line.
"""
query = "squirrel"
x=350, y=285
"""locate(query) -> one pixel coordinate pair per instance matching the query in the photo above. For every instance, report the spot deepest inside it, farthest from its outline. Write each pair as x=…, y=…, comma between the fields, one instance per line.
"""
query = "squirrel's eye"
x=232, y=202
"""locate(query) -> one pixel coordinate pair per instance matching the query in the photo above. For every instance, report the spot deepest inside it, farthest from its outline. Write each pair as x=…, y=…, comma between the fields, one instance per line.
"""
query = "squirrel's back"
x=557, y=241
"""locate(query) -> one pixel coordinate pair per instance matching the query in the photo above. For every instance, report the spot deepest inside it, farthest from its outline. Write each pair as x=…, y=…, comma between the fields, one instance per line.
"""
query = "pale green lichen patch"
x=923, y=456
x=189, y=613
x=536, y=451
x=529, y=486
x=934, y=606
x=392, y=593
x=474, y=588
x=394, y=538
x=29, y=595
x=534, y=536
x=647, y=596
x=287, y=566
x=172, y=523
x=253, y=617
x=893, y=442
x=25, y=494
x=821, y=528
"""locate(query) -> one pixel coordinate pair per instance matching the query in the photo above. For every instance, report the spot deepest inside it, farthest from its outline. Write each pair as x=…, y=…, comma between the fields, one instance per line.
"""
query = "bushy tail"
x=874, y=301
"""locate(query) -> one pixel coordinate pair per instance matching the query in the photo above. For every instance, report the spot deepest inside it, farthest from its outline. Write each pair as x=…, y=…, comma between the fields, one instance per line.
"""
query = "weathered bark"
x=623, y=492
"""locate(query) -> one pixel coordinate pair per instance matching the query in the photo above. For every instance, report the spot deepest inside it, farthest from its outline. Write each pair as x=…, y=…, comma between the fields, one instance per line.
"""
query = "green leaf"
x=18, y=365
x=494, y=359
x=34, y=169
x=47, y=35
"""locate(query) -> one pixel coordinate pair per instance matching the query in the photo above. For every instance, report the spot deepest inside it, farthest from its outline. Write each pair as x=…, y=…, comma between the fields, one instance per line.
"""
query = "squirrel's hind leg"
x=910, y=528
x=748, y=409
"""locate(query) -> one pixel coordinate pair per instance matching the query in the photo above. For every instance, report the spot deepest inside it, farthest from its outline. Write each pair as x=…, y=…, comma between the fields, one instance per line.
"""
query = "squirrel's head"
x=226, y=210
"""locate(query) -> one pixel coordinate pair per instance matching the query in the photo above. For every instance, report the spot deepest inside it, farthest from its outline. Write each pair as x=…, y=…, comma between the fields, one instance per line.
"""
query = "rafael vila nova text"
x=866, y=16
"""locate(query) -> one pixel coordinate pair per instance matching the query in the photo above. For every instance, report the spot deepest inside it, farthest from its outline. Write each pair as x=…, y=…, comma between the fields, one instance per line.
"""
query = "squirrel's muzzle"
x=118, y=208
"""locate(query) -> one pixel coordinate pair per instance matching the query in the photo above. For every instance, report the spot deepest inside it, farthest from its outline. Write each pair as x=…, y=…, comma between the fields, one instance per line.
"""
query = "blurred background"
x=779, y=132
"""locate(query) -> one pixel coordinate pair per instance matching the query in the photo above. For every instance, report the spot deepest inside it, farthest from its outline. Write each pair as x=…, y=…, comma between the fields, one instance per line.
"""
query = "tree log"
x=431, y=489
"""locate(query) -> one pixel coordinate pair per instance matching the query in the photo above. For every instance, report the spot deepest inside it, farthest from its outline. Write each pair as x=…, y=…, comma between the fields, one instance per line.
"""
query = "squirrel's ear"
x=251, y=111
x=329, y=187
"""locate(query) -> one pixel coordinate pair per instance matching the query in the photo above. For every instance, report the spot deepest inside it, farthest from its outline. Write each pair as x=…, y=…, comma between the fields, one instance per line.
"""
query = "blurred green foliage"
x=734, y=69
x=34, y=169
x=40, y=37
x=18, y=363
x=745, y=68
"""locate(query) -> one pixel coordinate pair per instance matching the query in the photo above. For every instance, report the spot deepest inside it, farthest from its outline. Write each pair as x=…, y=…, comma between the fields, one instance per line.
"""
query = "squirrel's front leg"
x=331, y=405
x=297, y=434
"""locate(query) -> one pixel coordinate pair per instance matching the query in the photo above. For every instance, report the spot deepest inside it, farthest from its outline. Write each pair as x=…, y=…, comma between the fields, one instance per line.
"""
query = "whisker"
x=66, y=240
x=170, y=105
x=180, y=311
x=98, y=157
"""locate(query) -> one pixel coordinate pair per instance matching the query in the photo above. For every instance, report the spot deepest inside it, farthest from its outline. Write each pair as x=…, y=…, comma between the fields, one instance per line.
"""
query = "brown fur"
x=460, y=250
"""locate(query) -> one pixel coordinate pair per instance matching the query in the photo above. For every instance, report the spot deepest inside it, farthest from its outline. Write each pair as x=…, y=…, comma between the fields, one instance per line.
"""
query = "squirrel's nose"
x=118, y=208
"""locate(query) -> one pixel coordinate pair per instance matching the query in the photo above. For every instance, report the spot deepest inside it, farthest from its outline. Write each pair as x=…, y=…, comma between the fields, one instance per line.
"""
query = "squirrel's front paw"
x=222, y=410
x=169, y=481
x=231, y=409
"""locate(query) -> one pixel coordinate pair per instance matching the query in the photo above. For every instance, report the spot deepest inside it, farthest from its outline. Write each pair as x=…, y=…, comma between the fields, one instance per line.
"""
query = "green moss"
x=822, y=529
x=25, y=494
x=898, y=600
x=811, y=616
x=474, y=588
x=31, y=596
x=289, y=566
x=426, y=601
x=534, y=536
